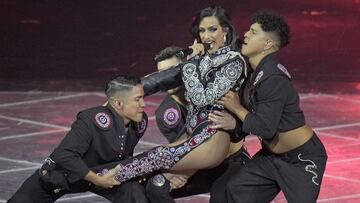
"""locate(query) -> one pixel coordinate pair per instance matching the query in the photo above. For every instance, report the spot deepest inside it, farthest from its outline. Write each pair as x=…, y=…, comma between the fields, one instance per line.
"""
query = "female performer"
x=206, y=78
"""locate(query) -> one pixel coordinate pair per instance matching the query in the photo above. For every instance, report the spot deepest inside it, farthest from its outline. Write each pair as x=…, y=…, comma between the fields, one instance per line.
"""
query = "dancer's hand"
x=178, y=181
x=106, y=180
x=198, y=49
x=222, y=120
x=231, y=101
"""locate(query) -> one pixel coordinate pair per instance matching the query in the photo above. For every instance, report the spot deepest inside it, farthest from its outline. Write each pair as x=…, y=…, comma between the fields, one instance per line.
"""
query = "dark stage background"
x=63, y=45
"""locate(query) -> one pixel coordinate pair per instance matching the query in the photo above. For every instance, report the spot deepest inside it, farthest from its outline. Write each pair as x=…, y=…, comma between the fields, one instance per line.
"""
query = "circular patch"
x=103, y=120
x=142, y=126
x=158, y=180
x=171, y=117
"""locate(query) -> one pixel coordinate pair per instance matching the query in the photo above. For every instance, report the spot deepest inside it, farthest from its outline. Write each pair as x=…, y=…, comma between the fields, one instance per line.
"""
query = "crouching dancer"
x=100, y=135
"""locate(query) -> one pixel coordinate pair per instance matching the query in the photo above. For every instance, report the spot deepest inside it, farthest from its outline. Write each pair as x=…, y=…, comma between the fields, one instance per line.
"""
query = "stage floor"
x=32, y=123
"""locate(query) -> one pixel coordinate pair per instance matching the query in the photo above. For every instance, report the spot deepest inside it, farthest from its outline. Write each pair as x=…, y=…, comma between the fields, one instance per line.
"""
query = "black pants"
x=297, y=173
x=33, y=191
x=210, y=180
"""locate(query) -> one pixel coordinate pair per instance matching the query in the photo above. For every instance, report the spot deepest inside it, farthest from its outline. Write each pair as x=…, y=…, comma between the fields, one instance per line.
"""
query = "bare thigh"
x=208, y=155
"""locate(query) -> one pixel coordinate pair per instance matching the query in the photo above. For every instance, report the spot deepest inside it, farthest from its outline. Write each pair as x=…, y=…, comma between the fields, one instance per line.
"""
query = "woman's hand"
x=198, y=49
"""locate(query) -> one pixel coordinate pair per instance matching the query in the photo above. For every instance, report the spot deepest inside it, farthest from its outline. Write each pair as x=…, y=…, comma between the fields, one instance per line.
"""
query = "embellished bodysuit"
x=206, y=80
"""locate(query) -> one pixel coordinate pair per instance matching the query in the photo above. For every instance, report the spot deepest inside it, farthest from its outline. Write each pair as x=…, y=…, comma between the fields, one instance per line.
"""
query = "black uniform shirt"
x=171, y=118
x=98, y=136
x=274, y=102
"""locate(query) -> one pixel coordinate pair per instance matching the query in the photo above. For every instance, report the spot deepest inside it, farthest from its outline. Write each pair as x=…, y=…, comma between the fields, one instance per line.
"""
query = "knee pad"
x=158, y=183
x=158, y=189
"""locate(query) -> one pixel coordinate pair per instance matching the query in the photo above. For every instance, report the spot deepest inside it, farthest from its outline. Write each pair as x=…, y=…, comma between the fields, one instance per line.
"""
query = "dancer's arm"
x=162, y=80
x=69, y=153
x=265, y=120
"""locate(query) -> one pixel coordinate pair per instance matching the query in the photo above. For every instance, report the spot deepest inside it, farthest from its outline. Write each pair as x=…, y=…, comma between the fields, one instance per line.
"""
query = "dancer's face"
x=254, y=42
x=132, y=105
x=166, y=64
x=211, y=32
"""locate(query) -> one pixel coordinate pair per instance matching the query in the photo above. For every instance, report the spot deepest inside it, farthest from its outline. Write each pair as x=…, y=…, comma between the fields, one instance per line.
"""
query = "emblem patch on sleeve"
x=103, y=120
x=142, y=126
x=171, y=117
x=284, y=70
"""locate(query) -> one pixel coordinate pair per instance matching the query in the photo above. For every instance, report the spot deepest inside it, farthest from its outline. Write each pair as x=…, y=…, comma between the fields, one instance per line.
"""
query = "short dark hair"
x=167, y=53
x=232, y=38
x=120, y=85
x=274, y=23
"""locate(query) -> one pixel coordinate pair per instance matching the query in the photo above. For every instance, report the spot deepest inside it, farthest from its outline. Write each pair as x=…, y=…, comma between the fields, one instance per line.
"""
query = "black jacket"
x=274, y=102
x=97, y=137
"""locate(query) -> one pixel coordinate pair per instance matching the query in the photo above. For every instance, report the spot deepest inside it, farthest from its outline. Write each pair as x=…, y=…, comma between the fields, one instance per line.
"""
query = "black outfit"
x=274, y=108
x=97, y=137
x=170, y=118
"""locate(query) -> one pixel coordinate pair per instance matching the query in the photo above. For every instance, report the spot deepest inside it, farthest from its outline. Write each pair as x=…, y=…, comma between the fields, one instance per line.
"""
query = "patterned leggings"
x=162, y=157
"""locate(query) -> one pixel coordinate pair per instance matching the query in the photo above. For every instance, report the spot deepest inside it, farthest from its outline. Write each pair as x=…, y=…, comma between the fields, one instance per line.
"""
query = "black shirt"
x=274, y=102
x=98, y=136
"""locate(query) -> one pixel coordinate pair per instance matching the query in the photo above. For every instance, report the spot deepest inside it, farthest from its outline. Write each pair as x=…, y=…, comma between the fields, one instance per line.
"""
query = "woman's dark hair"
x=274, y=23
x=232, y=38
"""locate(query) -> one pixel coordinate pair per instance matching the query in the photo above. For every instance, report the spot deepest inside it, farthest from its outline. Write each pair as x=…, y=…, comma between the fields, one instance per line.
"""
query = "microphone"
x=185, y=52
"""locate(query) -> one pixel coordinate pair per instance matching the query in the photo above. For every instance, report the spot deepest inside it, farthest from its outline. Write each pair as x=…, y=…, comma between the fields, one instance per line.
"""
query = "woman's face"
x=211, y=32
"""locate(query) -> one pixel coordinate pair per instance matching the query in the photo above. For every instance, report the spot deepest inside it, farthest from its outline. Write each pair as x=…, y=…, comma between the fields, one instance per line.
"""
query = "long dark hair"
x=232, y=38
